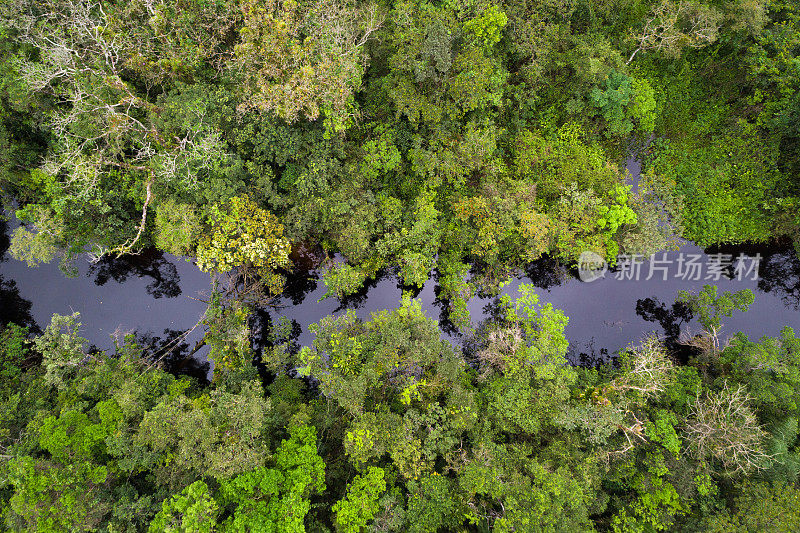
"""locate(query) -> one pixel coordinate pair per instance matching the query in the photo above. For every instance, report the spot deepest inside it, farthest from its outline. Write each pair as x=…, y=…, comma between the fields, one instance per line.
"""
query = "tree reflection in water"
x=779, y=273
x=268, y=334
x=13, y=307
x=548, y=272
x=778, y=269
x=172, y=353
x=149, y=263
x=670, y=318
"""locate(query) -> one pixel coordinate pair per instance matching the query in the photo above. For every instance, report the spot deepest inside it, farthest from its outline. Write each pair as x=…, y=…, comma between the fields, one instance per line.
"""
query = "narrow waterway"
x=607, y=314
x=159, y=297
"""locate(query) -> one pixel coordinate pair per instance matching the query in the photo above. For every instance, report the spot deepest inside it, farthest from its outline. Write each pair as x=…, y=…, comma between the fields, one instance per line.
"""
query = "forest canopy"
x=455, y=140
x=380, y=425
x=418, y=137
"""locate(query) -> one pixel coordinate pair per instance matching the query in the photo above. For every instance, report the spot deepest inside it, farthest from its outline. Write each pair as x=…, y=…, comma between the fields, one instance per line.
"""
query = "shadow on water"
x=269, y=334
x=472, y=344
x=778, y=271
x=150, y=291
x=304, y=276
x=548, y=272
x=299, y=284
x=173, y=354
x=780, y=274
x=359, y=298
x=411, y=290
x=670, y=318
x=13, y=307
x=589, y=356
x=5, y=240
x=605, y=315
x=446, y=323
x=150, y=263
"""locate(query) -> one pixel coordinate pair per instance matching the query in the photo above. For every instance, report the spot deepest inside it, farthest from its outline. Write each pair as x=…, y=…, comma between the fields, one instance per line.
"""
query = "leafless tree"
x=673, y=25
x=646, y=368
x=502, y=344
x=633, y=431
x=724, y=428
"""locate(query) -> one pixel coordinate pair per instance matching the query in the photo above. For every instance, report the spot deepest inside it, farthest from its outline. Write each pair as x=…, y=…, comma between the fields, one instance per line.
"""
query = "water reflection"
x=13, y=307
x=548, y=272
x=778, y=271
x=780, y=274
x=473, y=343
x=146, y=292
x=306, y=256
x=589, y=356
x=604, y=316
x=298, y=285
x=150, y=263
x=268, y=332
x=359, y=298
x=5, y=241
x=172, y=352
x=273, y=340
x=445, y=322
x=669, y=318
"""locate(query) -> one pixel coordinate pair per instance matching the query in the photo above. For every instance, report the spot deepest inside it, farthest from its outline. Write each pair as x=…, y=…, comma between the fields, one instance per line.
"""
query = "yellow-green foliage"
x=243, y=234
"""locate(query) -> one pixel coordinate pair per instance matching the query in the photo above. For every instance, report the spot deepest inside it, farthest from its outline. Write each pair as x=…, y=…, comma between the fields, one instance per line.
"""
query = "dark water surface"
x=152, y=295
x=608, y=313
x=159, y=297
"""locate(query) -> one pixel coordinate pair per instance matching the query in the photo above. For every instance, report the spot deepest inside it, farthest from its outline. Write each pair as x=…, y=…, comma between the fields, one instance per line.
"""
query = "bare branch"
x=674, y=25
x=725, y=428
x=646, y=368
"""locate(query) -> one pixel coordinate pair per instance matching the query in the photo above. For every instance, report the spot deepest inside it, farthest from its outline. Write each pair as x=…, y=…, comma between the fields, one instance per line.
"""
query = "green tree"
x=711, y=307
x=51, y=498
x=359, y=507
x=760, y=507
x=191, y=511
x=177, y=228
x=62, y=349
x=244, y=235
x=305, y=58
x=277, y=499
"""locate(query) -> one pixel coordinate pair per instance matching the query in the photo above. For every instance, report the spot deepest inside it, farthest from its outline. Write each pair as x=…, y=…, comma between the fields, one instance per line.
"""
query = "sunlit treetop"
x=242, y=234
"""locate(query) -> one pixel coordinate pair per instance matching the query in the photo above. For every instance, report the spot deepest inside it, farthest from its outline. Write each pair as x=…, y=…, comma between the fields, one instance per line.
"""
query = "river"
x=158, y=296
